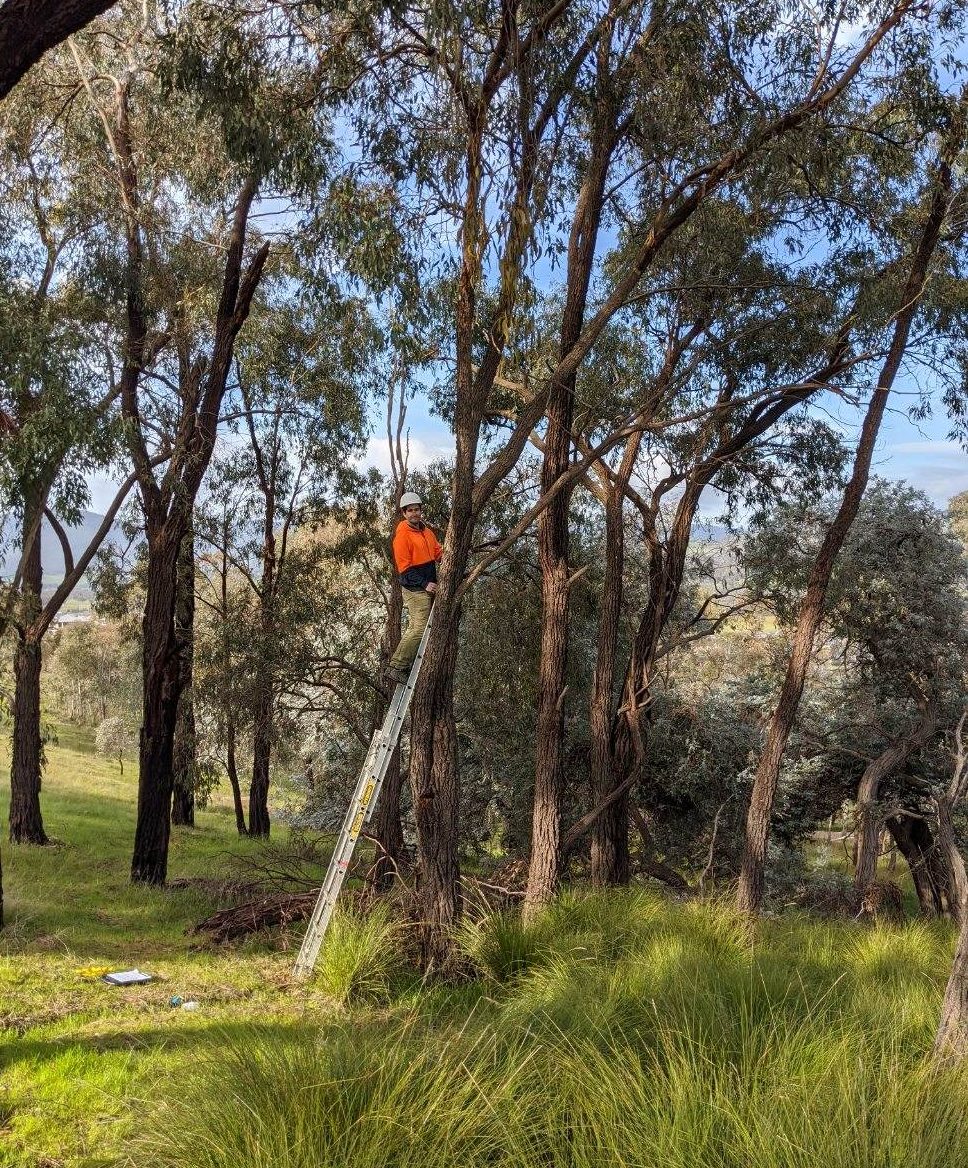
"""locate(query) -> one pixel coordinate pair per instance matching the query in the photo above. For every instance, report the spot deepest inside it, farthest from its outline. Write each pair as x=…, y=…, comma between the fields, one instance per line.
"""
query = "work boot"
x=397, y=674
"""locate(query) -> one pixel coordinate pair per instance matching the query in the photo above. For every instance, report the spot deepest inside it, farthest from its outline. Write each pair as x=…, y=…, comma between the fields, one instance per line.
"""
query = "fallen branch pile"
x=268, y=912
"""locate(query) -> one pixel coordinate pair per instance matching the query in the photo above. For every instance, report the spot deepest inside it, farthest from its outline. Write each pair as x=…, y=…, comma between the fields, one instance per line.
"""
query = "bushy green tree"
x=896, y=608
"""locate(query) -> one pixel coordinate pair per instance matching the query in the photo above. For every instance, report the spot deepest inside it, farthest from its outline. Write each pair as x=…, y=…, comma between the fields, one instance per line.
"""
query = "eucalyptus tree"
x=300, y=400
x=823, y=329
x=186, y=175
x=221, y=633
x=184, y=765
x=895, y=602
x=921, y=257
x=58, y=395
x=490, y=96
x=728, y=339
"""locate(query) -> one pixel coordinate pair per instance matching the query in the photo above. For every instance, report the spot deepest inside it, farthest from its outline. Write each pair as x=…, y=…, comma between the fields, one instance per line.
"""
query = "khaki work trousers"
x=418, y=613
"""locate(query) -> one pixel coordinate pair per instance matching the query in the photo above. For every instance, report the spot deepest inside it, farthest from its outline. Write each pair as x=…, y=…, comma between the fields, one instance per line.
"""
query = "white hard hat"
x=408, y=500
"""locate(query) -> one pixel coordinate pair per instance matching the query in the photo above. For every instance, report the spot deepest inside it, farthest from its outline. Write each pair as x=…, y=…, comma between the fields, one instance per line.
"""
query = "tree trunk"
x=261, y=754
x=753, y=871
x=387, y=829
x=28, y=28
x=184, y=763
x=435, y=787
x=232, y=769
x=184, y=749
x=162, y=675
x=611, y=864
x=952, y=1038
x=914, y=841
x=604, y=854
x=168, y=506
x=26, y=821
x=544, y=871
x=262, y=721
x=953, y=862
x=869, y=821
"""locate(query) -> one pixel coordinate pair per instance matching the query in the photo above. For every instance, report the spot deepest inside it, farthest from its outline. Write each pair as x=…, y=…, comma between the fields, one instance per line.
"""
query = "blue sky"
x=919, y=452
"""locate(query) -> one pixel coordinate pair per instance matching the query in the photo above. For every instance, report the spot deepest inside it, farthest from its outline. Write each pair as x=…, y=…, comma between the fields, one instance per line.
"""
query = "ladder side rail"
x=361, y=808
x=391, y=737
x=335, y=873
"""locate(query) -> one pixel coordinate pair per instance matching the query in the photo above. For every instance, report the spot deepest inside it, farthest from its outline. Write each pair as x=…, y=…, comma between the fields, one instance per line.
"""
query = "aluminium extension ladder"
x=361, y=808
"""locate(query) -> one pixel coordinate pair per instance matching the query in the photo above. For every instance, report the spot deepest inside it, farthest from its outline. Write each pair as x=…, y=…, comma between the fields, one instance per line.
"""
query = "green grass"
x=637, y=1033
x=615, y=1030
x=74, y=1052
x=360, y=957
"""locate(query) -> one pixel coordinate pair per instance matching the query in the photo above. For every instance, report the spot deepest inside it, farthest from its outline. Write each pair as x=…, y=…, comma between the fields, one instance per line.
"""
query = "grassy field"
x=619, y=1030
x=74, y=1053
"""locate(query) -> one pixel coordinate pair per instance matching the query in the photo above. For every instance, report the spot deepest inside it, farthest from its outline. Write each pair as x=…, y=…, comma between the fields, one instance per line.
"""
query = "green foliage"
x=360, y=954
x=91, y=673
x=114, y=737
x=694, y=1044
x=896, y=634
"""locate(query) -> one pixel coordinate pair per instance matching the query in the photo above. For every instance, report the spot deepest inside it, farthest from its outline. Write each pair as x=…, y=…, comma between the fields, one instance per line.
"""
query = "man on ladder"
x=415, y=552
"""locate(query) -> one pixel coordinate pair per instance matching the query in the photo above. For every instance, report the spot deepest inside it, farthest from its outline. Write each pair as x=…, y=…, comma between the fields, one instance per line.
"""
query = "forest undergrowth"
x=619, y=1029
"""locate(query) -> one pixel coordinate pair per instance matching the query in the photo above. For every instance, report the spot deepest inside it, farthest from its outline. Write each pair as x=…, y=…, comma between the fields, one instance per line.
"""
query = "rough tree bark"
x=544, y=870
x=951, y=1042
x=916, y=843
x=184, y=748
x=952, y=1038
x=232, y=770
x=610, y=608
x=161, y=684
x=26, y=820
x=28, y=28
x=869, y=822
x=752, y=874
x=267, y=471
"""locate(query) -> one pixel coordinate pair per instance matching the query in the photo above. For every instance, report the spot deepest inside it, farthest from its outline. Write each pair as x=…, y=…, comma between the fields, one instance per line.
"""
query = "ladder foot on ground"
x=361, y=808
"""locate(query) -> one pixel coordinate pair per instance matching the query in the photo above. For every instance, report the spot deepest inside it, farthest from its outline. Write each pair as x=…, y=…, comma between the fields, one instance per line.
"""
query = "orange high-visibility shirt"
x=414, y=549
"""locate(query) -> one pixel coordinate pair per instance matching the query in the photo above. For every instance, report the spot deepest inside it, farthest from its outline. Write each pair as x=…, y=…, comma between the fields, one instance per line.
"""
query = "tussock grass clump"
x=359, y=1096
x=360, y=955
x=683, y=1041
x=501, y=946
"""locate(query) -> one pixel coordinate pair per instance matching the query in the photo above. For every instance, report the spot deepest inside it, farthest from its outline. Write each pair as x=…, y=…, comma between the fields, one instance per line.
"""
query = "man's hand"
x=431, y=587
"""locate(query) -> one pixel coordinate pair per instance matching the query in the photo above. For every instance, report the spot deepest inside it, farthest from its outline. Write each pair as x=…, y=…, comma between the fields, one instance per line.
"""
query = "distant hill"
x=52, y=555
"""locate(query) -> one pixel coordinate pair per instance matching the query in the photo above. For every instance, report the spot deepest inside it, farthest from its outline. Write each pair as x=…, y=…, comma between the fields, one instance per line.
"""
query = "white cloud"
x=420, y=452
x=930, y=447
x=938, y=466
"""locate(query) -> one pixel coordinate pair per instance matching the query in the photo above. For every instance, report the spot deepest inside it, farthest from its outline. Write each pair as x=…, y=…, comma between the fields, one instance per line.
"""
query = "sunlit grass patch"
x=617, y=1028
x=359, y=956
